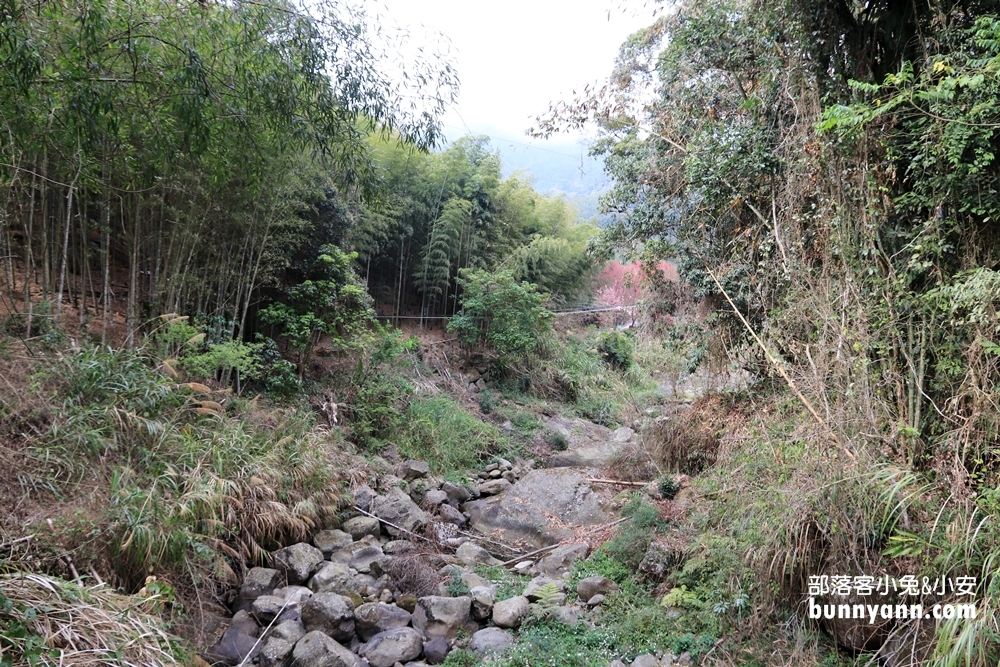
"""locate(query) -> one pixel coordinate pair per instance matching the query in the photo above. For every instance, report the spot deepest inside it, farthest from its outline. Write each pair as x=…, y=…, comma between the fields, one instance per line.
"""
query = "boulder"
x=438, y=616
x=494, y=487
x=290, y=631
x=398, y=547
x=363, y=555
x=560, y=560
x=360, y=526
x=457, y=493
x=396, y=507
x=589, y=445
x=363, y=498
x=533, y=587
x=411, y=470
x=267, y=607
x=539, y=509
x=483, y=599
x=331, y=614
x=490, y=640
x=453, y=516
x=510, y=613
x=436, y=650
x=318, y=650
x=596, y=585
x=471, y=553
x=332, y=578
x=435, y=497
x=275, y=652
x=238, y=641
x=259, y=581
x=566, y=615
x=596, y=600
x=387, y=648
x=329, y=541
x=374, y=617
x=645, y=660
x=298, y=561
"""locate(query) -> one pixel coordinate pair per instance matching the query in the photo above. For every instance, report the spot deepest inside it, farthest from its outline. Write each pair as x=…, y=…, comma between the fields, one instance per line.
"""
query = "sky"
x=515, y=57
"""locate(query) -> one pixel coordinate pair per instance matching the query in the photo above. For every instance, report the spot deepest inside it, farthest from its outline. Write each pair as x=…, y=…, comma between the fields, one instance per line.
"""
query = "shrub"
x=556, y=441
x=618, y=349
x=487, y=401
x=668, y=487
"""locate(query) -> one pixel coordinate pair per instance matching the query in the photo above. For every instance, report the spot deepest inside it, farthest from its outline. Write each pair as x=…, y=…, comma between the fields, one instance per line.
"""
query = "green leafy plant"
x=618, y=349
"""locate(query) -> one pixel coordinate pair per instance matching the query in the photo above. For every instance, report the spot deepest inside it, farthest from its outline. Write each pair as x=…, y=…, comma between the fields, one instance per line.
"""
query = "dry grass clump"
x=687, y=442
x=46, y=621
x=633, y=463
x=412, y=575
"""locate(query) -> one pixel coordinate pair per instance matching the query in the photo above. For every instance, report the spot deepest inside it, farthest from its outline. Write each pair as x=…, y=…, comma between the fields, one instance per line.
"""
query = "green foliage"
x=557, y=441
x=487, y=401
x=618, y=349
x=438, y=430
x=500, y=314
x=668, y=487
x=336, y=305
x=457, y=586
x=461, y=657
x=508, y=583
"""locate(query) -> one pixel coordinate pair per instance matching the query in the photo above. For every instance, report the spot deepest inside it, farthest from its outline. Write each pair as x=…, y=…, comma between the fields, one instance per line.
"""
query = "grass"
x=440, y=431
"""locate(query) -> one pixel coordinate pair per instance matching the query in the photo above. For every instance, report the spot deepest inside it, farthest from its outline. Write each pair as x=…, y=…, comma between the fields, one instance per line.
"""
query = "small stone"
x=596, y=600
x=481, y=384
x=298, y=561
x=362, y=557
x=333, y=578
x=267, y=607
x=504, y=464
x=329, y=541
x=374, y=617
x=566, y=615
x=259, y=581
x=494, y=487
x=363, y=497
x=290, y=631
x=483, y=600
x=435, y=497
x=510, y=613
x=331, y=614
x=490, y=640
x=452, y=515
x=438, y=616
x=387, y=648
x=684, y=659
x=509, y=476
x=436, y=650
x=398, y=547
x=360, y=526
x=524, y=565
x=407, y=601
x=491, y=467
x=560, y=560
x=276, y=652
x=456, y=492
x=496, y=474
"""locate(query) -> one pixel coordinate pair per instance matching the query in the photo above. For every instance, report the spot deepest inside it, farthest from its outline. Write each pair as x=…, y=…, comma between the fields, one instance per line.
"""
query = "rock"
x=668, y=660
x=259, y=581
x=435, y=497
x=410, y=470
x=645, y=660
x=329, y=541
x=510, y=613
x=397, y=507
x=531, y=590
x=387, y=648
x=267, y=607
x=292, y=593
x=333, y=578
x=684, y=659
x=438, y=616
x=539, y=509
x=298, y=561
x=472, y=579
x=318, y=650
x=457, y=493
x=398, y=547
x=451, y=515
x=509, y=476
x=591, y=586
x=481, y=384
x=494, y=487
x=496, y=474
x=622, y=435
x=560, y=560
x=617, y=663
x=363, y=497
x=524, y=565
x=596, y=600
x=407, y=601
x=490, y=640
x=275, y=653
x=471, y=553
x=566, y=615
x=290, y=631
x=331, y=614
x=360, y=526
x=483, y=599
x=363, y=556
x=238, y=640
x=374, y=617
x=436, y=650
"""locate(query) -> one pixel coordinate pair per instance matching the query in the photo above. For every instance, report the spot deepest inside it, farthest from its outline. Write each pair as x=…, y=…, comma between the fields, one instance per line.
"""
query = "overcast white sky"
x=515, y=56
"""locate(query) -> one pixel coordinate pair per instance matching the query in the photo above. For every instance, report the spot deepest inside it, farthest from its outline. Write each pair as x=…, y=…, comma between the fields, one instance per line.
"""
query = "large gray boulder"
x=539, y=509
x=363, y=555
x=332, y=578
x=331, y=614
x=438, y=616
x=387, y=648
x=318, y=650
x=360, y=526
x=298, y=561
x=290, y=631
x=483, y=599
x=238, y=642
x=275, y=652
x=471, y=553
x=590, y=445
x=396, y=507
x=490, y=640
x=411, y=470
x=329, y=541
x=596, y=585
x=560, y=560
x=436, y=650
x=509, y=613
x=259, y=581
x=374, y=617
x=457, y=493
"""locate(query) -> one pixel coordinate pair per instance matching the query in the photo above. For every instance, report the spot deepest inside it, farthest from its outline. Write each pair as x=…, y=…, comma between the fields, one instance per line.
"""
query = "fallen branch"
x=559, y=544
x=616, y=481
